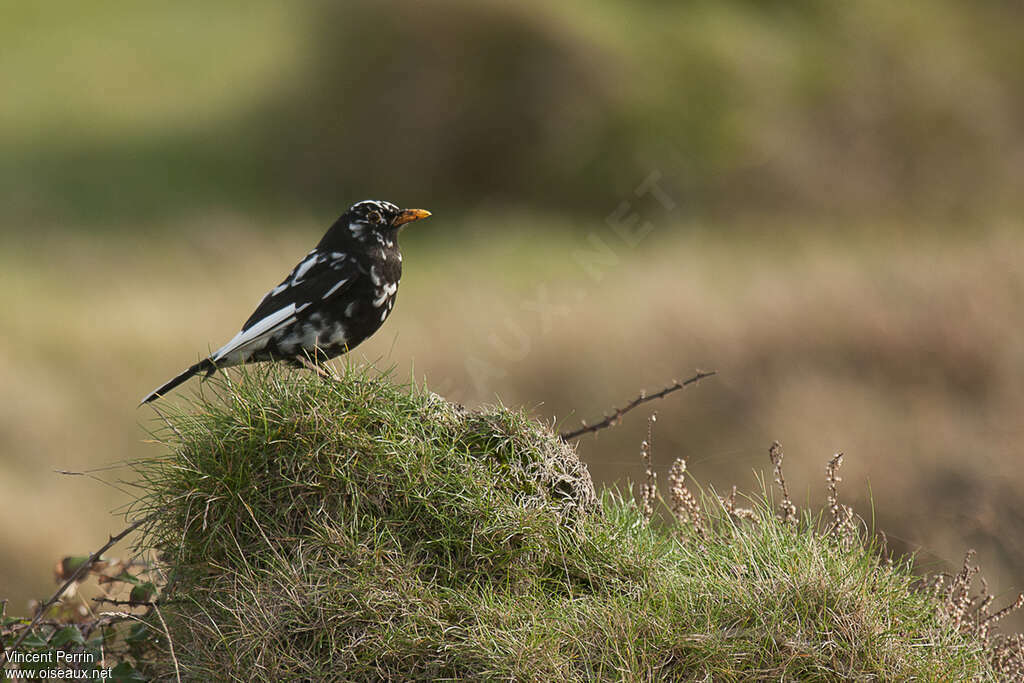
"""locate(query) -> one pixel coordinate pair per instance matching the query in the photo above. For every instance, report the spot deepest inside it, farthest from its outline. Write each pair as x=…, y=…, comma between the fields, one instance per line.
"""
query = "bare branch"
x=617, y=413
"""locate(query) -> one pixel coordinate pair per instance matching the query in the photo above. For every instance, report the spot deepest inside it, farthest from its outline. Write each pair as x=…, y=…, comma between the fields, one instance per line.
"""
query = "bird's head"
x=373, y=217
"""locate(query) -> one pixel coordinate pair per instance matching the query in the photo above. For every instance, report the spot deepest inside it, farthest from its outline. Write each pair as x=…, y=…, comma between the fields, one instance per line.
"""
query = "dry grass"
x=906, y=356
x=956, y=603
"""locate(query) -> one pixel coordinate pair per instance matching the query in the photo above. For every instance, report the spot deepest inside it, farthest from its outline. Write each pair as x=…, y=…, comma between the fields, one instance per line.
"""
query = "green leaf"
x=126, y=578
x=68, y=634
x=137, y=633
x=71, y=564
x=126, y=673
x=35, y=641
x=143, y=592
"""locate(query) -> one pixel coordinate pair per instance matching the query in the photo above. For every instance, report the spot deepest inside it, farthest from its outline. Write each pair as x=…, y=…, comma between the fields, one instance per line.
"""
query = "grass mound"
x=355, y=529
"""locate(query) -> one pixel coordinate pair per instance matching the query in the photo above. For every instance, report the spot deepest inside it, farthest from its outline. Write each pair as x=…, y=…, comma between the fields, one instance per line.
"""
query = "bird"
x=335, y=298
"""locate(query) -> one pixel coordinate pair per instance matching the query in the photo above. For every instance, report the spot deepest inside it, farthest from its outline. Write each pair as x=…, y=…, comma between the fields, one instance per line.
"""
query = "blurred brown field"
x=838, y=234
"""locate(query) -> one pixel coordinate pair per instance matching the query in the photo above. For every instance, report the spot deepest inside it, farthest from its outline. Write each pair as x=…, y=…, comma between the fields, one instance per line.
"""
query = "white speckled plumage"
x=337, y=296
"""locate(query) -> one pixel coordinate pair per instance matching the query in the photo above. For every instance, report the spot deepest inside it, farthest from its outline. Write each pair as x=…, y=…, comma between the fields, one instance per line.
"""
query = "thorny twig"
x=644, y=397
x=129, y=603
x=75, y=576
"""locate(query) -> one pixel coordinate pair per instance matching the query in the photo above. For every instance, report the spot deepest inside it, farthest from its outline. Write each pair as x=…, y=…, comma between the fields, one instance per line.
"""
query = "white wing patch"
x=304, y=267
x=312, y=258
x=258, y=334
x=333, y=289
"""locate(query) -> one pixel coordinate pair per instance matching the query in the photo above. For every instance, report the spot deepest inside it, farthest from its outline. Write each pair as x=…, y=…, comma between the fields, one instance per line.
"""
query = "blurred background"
x=821, y=201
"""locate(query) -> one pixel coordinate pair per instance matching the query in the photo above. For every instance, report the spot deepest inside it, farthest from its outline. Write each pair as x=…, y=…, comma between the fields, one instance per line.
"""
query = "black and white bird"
x=336, y=297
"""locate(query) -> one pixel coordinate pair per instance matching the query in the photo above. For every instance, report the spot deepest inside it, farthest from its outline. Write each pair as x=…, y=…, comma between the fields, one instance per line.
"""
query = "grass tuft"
x=354, y=528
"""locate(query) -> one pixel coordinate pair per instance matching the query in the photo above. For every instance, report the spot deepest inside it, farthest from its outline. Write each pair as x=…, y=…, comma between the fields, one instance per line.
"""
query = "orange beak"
x=408, y=216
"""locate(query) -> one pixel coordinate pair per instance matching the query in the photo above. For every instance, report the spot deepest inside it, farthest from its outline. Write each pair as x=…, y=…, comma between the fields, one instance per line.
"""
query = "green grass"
x=354, y=528
x=110, y=68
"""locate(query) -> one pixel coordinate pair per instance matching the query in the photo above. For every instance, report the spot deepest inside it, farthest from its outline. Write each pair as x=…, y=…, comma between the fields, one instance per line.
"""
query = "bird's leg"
x=315, y=367
x=315, y=362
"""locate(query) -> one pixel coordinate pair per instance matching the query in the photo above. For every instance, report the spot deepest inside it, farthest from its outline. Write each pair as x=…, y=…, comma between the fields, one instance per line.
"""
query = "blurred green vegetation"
x=115, y=112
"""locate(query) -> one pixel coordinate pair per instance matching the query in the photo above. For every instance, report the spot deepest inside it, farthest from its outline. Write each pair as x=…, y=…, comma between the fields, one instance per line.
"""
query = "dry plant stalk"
x=1006, y=652
x=959, y=602
x=1008, y=656
x=958, y=599
x=787, y=510
x=843, y=527
x=729, y=503
x=989, y=620
x=684, y=505
x=884, y=551
x=649, y=489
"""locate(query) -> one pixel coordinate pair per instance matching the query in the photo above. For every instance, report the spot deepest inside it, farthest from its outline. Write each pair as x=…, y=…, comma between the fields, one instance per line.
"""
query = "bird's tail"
x=206, y=365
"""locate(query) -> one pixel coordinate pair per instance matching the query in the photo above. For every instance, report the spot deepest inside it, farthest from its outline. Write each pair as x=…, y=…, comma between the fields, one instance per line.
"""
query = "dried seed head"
x=970, y=614
x=958, y=599
x=787, y=510
x=648, y=493
x=685, y=507
x=843, y=526
x=649, y=489
x=729, y=503
x=985, y=625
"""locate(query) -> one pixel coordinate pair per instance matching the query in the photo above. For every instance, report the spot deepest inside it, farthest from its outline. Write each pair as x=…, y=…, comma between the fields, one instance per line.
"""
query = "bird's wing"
x=319, y=277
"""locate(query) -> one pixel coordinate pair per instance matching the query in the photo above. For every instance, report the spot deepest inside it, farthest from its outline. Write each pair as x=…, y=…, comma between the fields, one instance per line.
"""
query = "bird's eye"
x=374, y=217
